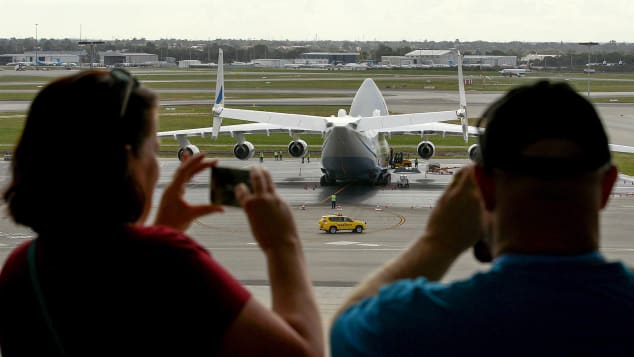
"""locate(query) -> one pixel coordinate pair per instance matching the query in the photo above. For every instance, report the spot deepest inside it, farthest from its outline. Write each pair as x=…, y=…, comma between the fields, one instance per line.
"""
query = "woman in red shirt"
x=97, y=280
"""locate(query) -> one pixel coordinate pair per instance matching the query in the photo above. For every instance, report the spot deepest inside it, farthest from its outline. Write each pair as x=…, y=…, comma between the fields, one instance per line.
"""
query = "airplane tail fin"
x=219, y=101
x=462, y=112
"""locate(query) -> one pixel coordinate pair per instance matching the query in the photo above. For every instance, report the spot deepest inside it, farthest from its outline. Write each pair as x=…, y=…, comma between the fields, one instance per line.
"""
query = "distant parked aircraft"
x=517, y=72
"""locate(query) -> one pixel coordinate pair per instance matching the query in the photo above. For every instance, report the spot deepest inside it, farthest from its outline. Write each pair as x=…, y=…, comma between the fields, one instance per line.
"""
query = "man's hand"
x=174, y=211
x=456, y=223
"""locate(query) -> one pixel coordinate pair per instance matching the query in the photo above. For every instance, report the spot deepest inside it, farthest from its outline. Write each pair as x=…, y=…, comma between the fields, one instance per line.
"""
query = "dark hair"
x=89, y=177
x=534, y=113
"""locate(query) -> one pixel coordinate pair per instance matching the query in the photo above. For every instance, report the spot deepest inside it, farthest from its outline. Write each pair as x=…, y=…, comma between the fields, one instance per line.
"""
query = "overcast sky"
x=385, y=20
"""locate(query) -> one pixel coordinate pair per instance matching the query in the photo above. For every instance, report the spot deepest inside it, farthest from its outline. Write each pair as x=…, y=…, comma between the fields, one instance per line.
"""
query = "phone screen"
x=223, y=180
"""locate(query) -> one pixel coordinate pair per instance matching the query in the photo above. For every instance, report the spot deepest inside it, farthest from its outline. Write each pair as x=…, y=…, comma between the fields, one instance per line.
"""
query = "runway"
x=337, y=262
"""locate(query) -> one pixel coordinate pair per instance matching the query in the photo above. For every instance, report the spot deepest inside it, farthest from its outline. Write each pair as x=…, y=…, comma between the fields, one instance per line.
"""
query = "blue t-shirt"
x=525, y=305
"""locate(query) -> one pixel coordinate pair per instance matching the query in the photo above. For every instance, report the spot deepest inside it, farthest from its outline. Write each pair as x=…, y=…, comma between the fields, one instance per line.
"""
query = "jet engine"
x=474, y=151
x=425, y=149
x=297, y=148
x=244, y=150
x=187, y=152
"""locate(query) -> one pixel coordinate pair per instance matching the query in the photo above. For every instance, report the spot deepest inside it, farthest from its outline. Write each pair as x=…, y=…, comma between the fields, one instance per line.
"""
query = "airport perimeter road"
x=337, y=261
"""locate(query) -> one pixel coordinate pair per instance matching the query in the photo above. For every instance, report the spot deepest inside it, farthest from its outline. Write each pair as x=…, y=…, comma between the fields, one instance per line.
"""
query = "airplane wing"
x=265, y=123
x=251, y=128
x=430, y=128
x=295, y=122
x=622, y=148
x=387, y=122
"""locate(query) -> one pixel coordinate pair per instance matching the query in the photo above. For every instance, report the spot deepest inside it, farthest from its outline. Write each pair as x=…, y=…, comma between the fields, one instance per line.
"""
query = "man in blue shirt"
x=531, y=203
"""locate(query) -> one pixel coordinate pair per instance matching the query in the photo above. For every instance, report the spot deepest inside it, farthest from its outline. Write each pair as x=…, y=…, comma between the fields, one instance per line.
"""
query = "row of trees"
x=568, y=54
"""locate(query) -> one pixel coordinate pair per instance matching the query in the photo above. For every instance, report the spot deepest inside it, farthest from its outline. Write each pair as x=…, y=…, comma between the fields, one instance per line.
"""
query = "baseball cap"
x=543, y=129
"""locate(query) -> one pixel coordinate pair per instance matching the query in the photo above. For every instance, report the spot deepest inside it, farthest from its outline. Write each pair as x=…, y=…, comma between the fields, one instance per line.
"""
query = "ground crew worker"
x=261, y=156
x=308, y=157
x=333, y=201
x=416, y=162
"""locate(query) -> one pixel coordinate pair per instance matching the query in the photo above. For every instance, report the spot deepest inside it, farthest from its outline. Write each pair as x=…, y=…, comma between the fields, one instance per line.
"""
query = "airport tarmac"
x=395, y=217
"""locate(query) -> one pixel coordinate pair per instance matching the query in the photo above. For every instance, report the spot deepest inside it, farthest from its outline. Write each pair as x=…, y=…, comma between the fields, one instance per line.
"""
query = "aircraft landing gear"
x=326, y=181
x=385, y=179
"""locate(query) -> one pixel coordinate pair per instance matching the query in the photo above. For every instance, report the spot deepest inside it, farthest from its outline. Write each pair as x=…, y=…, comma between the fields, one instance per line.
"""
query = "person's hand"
x=456, y=223
x=174, y=211
x=271, y=220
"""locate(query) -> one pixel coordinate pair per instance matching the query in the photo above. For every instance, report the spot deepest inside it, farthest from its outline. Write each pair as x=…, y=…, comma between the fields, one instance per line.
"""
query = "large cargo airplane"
x=354, y=145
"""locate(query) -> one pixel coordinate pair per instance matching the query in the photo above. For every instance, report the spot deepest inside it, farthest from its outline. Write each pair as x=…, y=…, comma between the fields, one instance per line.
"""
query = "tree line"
x=567, y=54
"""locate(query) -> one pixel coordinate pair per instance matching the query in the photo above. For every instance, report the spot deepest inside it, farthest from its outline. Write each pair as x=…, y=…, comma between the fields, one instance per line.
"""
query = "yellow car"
x=335, y=222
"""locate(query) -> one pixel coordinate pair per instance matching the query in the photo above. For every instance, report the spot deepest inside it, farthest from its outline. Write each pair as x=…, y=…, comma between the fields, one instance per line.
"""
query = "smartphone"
x=482, y=252
x=222, y=182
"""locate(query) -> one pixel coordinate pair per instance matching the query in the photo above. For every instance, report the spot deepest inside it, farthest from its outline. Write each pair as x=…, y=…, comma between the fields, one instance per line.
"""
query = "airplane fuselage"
x=352, y=156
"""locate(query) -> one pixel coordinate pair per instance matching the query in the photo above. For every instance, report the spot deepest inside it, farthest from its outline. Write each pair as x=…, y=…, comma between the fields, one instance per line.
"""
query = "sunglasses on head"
x=123, y=76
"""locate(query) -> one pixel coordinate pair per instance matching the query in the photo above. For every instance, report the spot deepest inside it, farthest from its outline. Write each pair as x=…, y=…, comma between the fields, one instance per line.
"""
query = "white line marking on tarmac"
x=16, y=235
x=369, y=245
x=618, y=249
x=343, y=242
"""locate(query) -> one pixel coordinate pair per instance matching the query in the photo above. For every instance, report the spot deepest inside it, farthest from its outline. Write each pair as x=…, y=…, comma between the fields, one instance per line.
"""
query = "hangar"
x=435, y=58
x=112, y=58
x=490, y=61
x=446, y=58
x=330, y=57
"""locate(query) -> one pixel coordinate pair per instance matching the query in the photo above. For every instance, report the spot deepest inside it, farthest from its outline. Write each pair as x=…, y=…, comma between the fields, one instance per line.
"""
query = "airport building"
x=397, y=61
x=536, y=57
x=489, y=61
x=44, y=57
x=52, y=58
x=434, y=58
x=188, y=63
x=422, y=59
x=330, y=57
x=444, y=58
x=111, y=58
x=271, y=62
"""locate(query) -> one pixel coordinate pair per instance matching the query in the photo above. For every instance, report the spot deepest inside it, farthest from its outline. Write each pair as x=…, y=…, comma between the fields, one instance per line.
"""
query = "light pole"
x=589, y=45
x=92, y=45
x=36, y=46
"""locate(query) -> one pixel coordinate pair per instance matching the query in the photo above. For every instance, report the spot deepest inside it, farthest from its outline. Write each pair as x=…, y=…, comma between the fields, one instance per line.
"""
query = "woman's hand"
x=271, y=220
x=174, y=211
